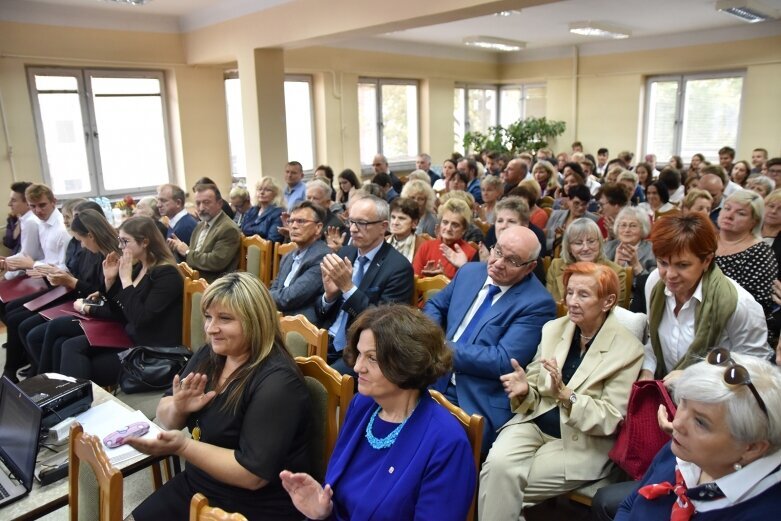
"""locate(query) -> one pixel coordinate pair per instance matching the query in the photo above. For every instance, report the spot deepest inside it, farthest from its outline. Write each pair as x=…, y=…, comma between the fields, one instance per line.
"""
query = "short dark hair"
x=207, y=186
x=471, y=164
x=19, y=187
x=727, y=150
x=661, y=189
x=671, y=178
x=576, y=167
x=316, y=208
x=524, y=192
x=614, y=193
x=203, y=181
x=296, y=164
x=581, y=192
x=773, y=162
x=329, y=172
x=602, y=150
x=406, y=206
x=87, y=205
x=382, y=180
x=410, y=347
x=577, y=144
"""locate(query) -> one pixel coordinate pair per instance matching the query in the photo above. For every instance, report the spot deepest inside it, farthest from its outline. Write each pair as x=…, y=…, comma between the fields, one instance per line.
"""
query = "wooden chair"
x=193, y=336
x=473, y=425
x=201, y=511
x=255, y=257
x=546, y=263
x=187, y=271
x=627, y=288
x=483, y=225
x=330, y=394
x=427, y=287
x=95, y=487
x=280, y=250
x=302, y=338
x=561, y=309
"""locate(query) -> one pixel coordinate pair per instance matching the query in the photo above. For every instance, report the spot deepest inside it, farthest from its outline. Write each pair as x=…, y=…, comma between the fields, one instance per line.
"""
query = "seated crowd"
x=566, y=279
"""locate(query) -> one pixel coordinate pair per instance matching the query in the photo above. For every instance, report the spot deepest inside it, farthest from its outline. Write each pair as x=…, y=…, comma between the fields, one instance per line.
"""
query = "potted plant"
x=525, y=135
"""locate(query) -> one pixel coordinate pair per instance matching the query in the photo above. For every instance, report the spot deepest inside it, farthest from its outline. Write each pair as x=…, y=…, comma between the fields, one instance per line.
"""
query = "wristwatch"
x=572, y=399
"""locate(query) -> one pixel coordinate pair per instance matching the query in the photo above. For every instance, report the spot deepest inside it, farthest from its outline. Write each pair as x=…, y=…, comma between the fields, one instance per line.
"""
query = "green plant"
x=525, y=135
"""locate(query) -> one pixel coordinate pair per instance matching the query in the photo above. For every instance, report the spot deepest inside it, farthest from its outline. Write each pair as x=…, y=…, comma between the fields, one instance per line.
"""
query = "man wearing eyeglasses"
x=367, y=272
x=492, y=312
x=299, y=283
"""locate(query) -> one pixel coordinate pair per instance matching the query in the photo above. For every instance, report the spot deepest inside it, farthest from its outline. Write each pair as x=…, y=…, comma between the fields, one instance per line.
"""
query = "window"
x=299, y=120
x=691, y=114
x=477, y=108
x=388, y=119
x=101, y=132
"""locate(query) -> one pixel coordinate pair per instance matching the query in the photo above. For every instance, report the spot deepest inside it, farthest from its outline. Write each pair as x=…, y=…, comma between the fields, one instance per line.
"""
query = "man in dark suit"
x=299, y=283
x=423, y=162
x=380, y=165
x=485, y=334
x=216, y=241
x=170, y=203
x=366, y=273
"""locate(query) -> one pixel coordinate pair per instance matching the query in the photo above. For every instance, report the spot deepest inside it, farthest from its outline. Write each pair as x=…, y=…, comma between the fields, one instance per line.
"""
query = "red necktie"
x=683, y=509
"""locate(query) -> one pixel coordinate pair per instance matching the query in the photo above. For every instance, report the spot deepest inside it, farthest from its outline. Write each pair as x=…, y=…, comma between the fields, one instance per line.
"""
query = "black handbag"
x=145, y=369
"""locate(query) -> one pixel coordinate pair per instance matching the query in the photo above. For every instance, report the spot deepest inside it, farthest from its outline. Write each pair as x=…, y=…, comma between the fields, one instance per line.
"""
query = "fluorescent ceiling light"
x=130, y=2
x=750, y=11
x=599, y=29
x=494, y=44
x=507, y=13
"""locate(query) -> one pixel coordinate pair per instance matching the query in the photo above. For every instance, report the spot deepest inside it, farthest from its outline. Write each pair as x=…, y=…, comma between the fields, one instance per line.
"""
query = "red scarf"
x=683, y=509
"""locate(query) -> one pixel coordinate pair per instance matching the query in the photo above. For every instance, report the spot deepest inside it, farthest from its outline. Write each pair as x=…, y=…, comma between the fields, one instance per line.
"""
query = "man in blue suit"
x=491, y=313
x=170, y=203
x=366, y=273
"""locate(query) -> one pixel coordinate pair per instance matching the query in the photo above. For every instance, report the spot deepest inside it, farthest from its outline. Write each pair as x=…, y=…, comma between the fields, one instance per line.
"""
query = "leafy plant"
x=525, y=135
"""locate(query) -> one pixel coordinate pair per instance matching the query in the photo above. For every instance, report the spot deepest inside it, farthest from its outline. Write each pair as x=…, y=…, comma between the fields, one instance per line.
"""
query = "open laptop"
x=20, y=427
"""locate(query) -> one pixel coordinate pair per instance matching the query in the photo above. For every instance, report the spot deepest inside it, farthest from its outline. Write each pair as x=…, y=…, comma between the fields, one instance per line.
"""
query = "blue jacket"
x=512, y=328
x=433, y=474
x=184, y=228
x=265, y=224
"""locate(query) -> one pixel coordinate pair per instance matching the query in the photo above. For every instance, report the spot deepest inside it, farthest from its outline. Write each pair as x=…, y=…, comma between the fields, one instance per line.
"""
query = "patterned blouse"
x=755, y=269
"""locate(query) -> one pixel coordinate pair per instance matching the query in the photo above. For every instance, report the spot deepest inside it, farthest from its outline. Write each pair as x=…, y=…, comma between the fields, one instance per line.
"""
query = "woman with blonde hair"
x=546, y=178
x=491, y=188
x=455, y=216
x=241, y=380
x=698, y=201
x=265, y=218
x=422, y=193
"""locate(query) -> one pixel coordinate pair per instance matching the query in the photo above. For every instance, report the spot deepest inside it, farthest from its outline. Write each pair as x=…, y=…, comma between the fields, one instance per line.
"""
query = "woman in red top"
x=455, y=216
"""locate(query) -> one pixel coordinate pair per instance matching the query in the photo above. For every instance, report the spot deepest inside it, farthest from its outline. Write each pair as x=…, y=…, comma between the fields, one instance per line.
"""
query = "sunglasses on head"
x=735, y=374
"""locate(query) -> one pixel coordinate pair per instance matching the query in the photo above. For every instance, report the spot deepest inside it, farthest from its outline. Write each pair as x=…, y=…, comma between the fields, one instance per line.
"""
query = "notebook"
x=20, y=428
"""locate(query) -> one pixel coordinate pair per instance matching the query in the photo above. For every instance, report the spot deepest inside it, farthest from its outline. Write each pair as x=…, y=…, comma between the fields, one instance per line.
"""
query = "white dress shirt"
x=745, y=331
x=176, y=218
x=54, y=240
x=30, y=242
x=477, y=303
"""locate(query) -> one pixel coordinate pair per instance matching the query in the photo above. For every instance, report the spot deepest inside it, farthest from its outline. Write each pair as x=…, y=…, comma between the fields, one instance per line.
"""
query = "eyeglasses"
x=497, y=252
x=735, y=374
x=361, y=225
x=300, y=222
x=588, y=242
x=628, y=225
x=123, y=241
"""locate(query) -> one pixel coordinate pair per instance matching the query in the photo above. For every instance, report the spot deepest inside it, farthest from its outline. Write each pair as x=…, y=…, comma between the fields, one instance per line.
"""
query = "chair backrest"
x=187, y=271
x=193, y=335
x=483, y=225
x=627, y=288
x=255, y=257
x=561, y=309
x=427, y=287
x=546, y=263
x=201, y=511
x=302, y=338
x=473, y=425
x=95, y=487
x=280, y=250
x=332, y=406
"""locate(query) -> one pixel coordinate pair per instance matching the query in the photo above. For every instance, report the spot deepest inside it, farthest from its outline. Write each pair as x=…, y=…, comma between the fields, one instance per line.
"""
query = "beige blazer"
x=554, y=279
x=602, y=384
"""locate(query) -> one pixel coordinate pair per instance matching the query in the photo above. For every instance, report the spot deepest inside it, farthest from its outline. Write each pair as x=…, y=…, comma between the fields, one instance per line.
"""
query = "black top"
x=86, y=266
x=755, y=269
x=268, y=432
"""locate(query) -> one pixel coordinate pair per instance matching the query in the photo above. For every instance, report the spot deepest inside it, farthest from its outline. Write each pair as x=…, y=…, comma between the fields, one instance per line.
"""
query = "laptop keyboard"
x=3, y=492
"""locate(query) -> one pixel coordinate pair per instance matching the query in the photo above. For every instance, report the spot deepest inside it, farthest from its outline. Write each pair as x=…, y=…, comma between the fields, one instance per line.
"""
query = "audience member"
x=295, y=189
x=740, y=172
x=630, y=247
x=170, y=204
x=265, y=218
x=20, y=213
x=404, y=215
x=698, y=201
x=491, y=188
x=577, y=200
x=713, y=180
x=546, y=177
x=658, y=201
x=147, y=207
x=612, y=198
x=425, y=198
x=423, y=162
x=432, y=258
x=385, y=183
x=761, y=184
x=380, y=165
x=348, y=183
x=240, y=204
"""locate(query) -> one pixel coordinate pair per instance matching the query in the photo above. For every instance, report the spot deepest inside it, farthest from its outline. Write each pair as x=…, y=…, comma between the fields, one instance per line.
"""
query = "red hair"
x=676, y=234
x=607, y=280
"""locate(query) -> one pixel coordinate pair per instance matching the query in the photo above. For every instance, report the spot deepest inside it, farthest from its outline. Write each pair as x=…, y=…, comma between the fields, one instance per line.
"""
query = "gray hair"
x=633, y=212
x=628, y=175
x=381, y=207
x=151, y=201
x=417, y=186
x=419, y=175
x=765, y=181
x=492, y=180
x=577, y=229
x=515, y=204
x=757, y=205
x=703, y=382
x=322, y=185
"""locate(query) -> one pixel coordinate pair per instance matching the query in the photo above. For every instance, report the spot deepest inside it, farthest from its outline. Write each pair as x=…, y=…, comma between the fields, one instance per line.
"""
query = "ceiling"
x=542, y=27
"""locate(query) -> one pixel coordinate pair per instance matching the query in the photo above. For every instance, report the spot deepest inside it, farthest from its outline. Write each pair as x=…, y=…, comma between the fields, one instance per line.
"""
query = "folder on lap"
x=47, y=298
x=21, y=287
x=106, y=333
x=60, y=310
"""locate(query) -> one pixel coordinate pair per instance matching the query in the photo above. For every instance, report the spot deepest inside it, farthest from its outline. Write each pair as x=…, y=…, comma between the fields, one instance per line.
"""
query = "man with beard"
x=216, y=240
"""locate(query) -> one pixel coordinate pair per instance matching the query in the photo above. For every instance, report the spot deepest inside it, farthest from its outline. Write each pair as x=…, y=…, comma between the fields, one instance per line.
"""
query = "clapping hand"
x=308, y=496
x=111, y=268
x=557, y=381
x=626, y=255
x=432, y=268
x=664, y=422
x=334, y=239
x=164, y=444
x=515, y=384
x=454, y=256
x=125, y=269
x=338, y=273
x=188, y=393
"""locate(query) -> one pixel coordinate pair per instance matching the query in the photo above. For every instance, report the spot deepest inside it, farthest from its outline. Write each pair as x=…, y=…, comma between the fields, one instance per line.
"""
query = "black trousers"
x=606, y=501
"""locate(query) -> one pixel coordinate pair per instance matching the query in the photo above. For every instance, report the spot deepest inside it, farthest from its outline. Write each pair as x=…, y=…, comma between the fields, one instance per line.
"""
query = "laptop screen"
x=20, y=425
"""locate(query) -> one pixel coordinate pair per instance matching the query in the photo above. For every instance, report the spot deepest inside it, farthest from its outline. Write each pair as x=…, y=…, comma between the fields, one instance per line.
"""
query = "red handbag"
x=639, y=437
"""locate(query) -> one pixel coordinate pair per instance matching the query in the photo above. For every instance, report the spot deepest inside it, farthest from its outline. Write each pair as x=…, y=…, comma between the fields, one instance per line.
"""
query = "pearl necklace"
x=390, y=439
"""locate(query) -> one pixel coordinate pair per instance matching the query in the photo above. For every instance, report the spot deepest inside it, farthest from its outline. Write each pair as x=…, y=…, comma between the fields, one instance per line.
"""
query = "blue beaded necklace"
x=390, y=439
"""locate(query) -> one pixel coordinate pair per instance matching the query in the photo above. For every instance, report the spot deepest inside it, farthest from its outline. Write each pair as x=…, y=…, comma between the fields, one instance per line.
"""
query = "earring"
x=737, y=466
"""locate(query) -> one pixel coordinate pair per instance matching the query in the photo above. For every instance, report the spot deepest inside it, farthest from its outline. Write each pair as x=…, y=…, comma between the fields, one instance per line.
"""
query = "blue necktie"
x=340, y=338
x=481, y=311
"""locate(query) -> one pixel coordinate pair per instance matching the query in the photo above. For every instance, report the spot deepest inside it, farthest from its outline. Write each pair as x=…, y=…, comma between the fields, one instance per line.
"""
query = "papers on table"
x=101, y=420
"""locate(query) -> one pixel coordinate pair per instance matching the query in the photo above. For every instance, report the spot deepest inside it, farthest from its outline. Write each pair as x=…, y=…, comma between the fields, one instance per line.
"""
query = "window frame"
x=83, y=76
x=682, y=80
x=366, y=168
x=306, y=78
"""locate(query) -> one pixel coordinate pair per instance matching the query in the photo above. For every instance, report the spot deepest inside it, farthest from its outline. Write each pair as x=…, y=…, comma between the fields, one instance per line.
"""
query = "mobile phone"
x=120, y=436
x=94, y=302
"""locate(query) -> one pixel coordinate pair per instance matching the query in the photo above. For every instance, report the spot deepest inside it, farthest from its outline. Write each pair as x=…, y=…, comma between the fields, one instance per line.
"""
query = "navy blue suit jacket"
x=184, y=228
x=511, y=328
x=389, y=278
x=433, y=473
x=264, y=224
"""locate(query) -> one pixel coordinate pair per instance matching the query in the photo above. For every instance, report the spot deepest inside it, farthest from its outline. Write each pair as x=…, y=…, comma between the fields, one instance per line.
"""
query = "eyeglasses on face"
x=515, y=261
x=734, y=373
x=123, y=241
x=300, y=222
x=361, y=225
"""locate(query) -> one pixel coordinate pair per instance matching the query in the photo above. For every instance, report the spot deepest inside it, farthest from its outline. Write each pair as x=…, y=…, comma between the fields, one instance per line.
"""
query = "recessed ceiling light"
x=750, y=11
x=599, y=29
x=507, y=13
x=129, y=2
x=494, y=44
